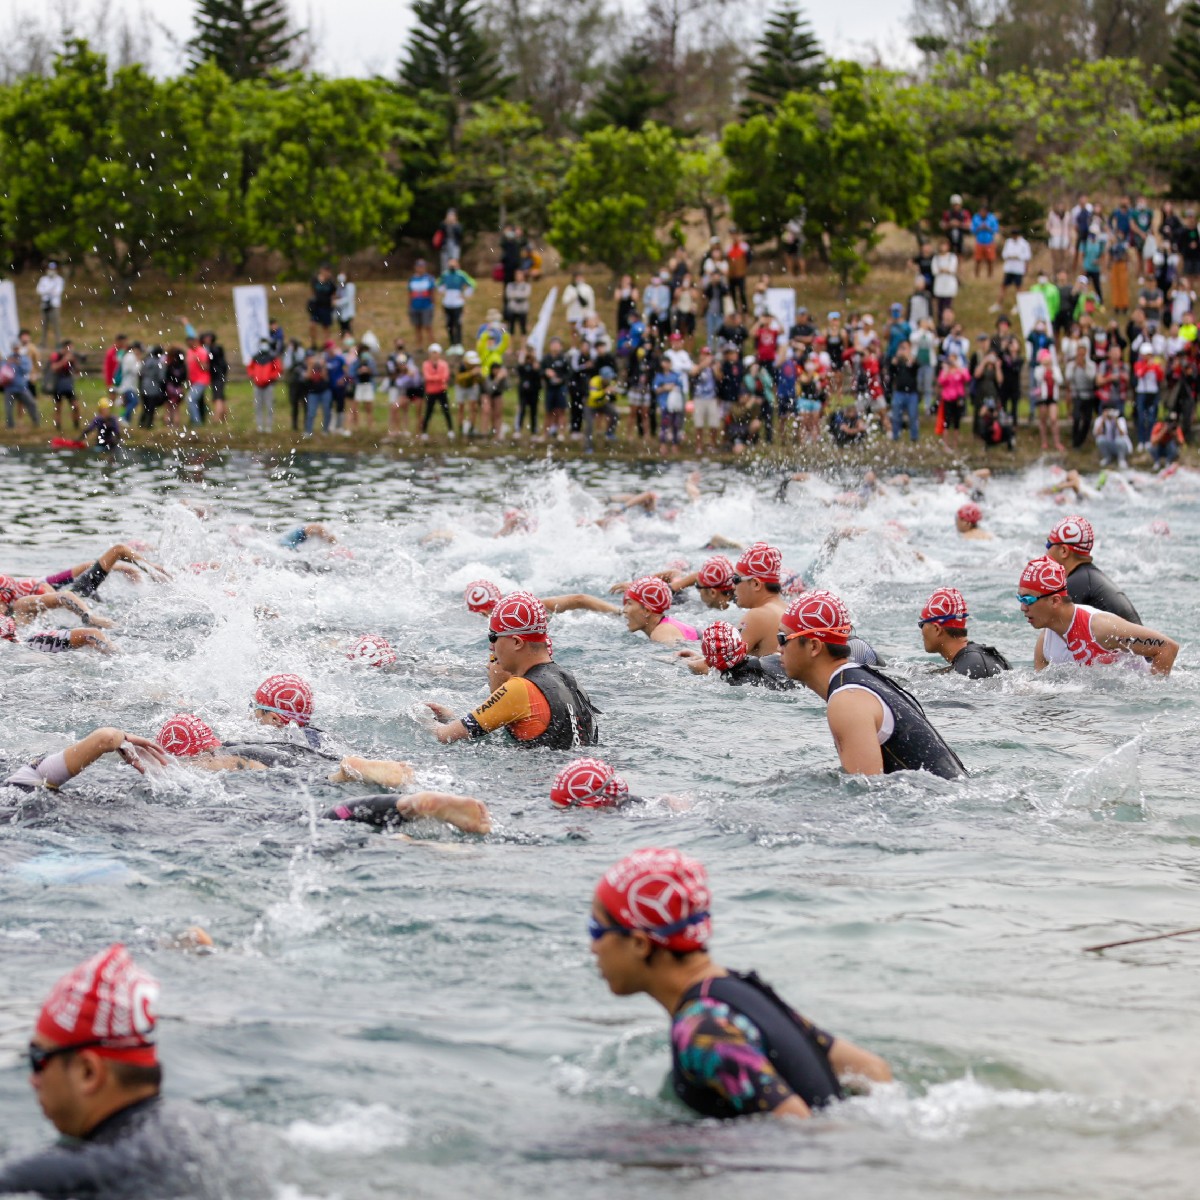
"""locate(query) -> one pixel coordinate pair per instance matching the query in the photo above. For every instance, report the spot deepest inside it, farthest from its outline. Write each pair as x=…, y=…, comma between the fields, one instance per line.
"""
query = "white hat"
x=749, y=360
x=472, y=357
x=434, y=348
x=956, y=199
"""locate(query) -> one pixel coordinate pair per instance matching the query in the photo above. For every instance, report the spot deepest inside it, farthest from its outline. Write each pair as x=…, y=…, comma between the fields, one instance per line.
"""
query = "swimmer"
x=975, y=483
x=647, y=608
x=966, y=521
x=590, y=783
x=56, y=640
x=1075, y=633
x=25, y=599
x=877, y=726
x=943, y=626
x=187, y=736
x=1071, y=481
x=53, y=770
x=1070, y=544
x=314, y=529
x=758, y=589
x=539, y=703
x=724, y=650
x=284, y=700
x=713, y=582
x=736, y=1048
x=371, y=650
x=85, y=578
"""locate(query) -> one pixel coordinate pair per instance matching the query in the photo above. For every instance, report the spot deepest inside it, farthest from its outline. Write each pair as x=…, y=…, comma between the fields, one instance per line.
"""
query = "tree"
x=1183, y=68
x=789, y=59
x=628, y=98
x=247, y=39
x=702, y=179
x=849, y=155
x=450, y=60
x=620, y=190
x=326, y=185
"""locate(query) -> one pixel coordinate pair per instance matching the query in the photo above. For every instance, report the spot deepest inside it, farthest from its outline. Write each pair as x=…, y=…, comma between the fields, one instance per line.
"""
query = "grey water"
x=423, y=1019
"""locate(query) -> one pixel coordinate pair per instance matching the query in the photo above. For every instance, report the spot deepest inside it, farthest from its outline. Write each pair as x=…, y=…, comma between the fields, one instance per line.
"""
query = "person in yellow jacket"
x=492, y=342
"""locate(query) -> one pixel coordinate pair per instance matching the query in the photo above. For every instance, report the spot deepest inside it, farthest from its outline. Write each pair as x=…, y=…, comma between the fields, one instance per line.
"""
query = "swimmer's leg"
x=380, y=772
x=463, y=812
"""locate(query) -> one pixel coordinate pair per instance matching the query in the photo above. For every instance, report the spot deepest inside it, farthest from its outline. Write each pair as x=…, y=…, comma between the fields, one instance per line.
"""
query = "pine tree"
x=247, y=39
x=1183, y=68
x=628, y=98
x=449, y=57
x=789, y=59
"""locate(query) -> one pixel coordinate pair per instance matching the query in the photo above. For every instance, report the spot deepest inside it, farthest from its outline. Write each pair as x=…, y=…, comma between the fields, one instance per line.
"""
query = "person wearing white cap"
x=50, y=294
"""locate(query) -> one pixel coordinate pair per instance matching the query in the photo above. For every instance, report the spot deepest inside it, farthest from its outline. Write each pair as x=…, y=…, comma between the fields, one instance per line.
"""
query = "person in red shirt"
x=766, y=333
x=435, y=371
x=112, y=359
x=738, y=257
x=199, y=377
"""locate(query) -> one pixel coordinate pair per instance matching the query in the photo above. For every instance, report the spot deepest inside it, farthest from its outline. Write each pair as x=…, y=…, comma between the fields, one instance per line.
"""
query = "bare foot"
x=463, y=812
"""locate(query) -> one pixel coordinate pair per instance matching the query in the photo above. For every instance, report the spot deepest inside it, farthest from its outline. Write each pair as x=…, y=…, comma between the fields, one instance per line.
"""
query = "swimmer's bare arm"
x=759, y=630
x=28, y=607
x=854, y=720
x=381, y=772
x=575, y=601
x=225, y=762
x=447, y=728
x=1040, y=661
x=852, y=1063
x=133, y=749
x=694, y=661
x=1115, y=633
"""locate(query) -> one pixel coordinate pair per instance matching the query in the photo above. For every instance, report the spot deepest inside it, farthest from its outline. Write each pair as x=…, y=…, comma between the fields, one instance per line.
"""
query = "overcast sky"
x=365, y=37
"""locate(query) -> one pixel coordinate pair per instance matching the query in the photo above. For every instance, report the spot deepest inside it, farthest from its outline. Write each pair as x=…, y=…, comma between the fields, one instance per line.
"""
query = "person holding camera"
x=1165, y=439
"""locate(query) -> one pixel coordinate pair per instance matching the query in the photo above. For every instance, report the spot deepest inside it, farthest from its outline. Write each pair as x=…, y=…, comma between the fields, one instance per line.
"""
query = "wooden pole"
x=1154, y=937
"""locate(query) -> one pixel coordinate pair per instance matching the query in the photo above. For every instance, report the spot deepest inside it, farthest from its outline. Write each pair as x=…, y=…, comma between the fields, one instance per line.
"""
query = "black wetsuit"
x=149, y=1149
x=714, y=1012
x=378, y=811
x=766, y=671
x=979, y=662
x=277, y=754
x=1089, y=585
x=914, y=744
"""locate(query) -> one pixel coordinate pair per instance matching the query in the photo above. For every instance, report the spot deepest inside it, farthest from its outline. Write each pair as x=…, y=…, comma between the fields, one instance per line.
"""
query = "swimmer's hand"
x=137, y=751
x=443, y=712
x=694, y=662
x=620, y=588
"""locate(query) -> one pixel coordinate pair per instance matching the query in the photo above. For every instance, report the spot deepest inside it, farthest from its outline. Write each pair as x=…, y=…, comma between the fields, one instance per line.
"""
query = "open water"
x=391, y=1019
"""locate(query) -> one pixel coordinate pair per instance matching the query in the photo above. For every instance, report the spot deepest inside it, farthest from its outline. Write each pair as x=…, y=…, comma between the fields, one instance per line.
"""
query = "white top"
x=50, y=290
x=681, y=361
x=945, y=275
x=888, y=725
x=345, y=300
x=131, y=370
x=1016, y=255
x=578, y=299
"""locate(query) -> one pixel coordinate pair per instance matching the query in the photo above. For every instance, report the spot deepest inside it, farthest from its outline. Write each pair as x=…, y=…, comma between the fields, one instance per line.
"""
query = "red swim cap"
x=819, y=615
x=520, y=614
x=107, y=999
x=481, y=596
x=761, y=561
x=662, y=893
x=8, y=629
x=288, y=696
x=185, y=735
x=16, y=589
x=1076, y=532
x=723, y=647
x=372, y=651
x=650, y=593
x=678, y=564
x=588, y=783
x=972, y=514
x=717, y=573
x=1043, y=576
x=947, y=607
x=793, y=585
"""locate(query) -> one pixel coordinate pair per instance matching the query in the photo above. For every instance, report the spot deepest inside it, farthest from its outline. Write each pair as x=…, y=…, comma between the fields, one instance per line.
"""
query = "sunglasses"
x=493, y=638
x=39, y=1056
x=784, y=638
x=596, y=930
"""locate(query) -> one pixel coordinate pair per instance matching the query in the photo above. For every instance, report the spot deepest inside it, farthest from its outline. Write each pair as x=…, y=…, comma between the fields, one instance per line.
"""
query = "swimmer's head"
x=12, y=590
x=723, y=647
x=651, y=594
x=762, y=562
x=1075, y=534
x=968, y=517
x=284, y=700
x=185, y=735
x=1040, y=590
x=945, y=614
x=1160, y=528
x=588, y=783
x=660, y=893
x=8, y=629
x=517, y=624
x=481, y=596
x=812, y=628
x=371, y=650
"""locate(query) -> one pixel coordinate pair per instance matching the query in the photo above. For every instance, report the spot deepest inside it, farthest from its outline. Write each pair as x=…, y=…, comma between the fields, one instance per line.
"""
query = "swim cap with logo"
x=588, y=783
x=185, y=735
x=947, y=607
x=650, y=593
x=481, y=596
x=761, y=561
x=723, y=647
x=1043, y=576
x=1076, y=532
x=108, y=999
x=819, y=615
x=287, y=696
x=8, y=629
x=519, y=614
x=971, y=514
x=16, y=589
x=662, y=893
x=372, y=651
x=717, y=573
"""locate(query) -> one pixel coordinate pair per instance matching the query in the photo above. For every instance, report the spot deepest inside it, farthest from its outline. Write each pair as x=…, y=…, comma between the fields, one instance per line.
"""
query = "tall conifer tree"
x=1183, y=67
x=789, y=59
x=247, y=39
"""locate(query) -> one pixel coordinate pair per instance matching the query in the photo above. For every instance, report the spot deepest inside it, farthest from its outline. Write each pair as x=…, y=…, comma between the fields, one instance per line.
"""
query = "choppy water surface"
x=425, y=1020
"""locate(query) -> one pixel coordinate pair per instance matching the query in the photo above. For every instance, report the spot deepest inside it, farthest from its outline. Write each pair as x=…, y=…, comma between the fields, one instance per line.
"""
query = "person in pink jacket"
x=952, y=398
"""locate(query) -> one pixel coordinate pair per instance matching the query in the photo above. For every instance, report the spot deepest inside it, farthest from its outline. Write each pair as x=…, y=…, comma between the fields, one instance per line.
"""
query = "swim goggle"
x=1026, y=601
x=596, y=930
x=299, y=718
x=841, y=631
x=962, y=616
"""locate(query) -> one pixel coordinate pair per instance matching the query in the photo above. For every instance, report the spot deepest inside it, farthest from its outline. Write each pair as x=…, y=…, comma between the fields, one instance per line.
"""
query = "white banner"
x=781, y=304
x=1032, y=307
x=537, y=339
x=250, y=308
x=9, y=325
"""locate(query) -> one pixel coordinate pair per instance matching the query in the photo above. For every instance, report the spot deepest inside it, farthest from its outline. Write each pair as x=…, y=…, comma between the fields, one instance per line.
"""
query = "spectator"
x=276, y=337
x=1081, y=221
x=1112, y=381
x=923, y=261
x=153, y=385
x=510, y=253
x=14, y=378
x=1187, y=244
x=1080, y=381
x=1092, y=253
x=345, y=305
x=1112, y=437
x=906, y=401
x=362, y=401
x=1150, y=299
x=337, y=367
x=945, y=277
x=668, y=392
x=529, y=388
x=706, y=416
x=986, y=373
x=846, y=426
x=320, y=306
x=112, y=361
x=1087, y=298
x=601, y=402
x=956, y=224
x=518, y=293
x=715, y=290
x=555, y=373
x=176, y=387
x=739, y=256
x=1183, y=300
x=263, y=370
x=1165, y=439
x=766, y=333
x=628, y=302
x=683, y=311
x=421, y=287
x=1015, y=257
x=984, y=228
x=50, y=289
x=218, y=369
x=1058, y=236
x=61, y=369
x=579, y=299
x=456, y=288
x=1118, y=273
x=925, y=347
x=295, y=366
x=1148, y=380
x=1011, y=362
x=1064, y=314
x=953, y=380
x=319, y=394
x=129, y=374
x=448, y=240
x=758, y=386
x=919, y=303
x=1047, y=384
x=656, y=304
x=791, y=242
x=495, y=384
